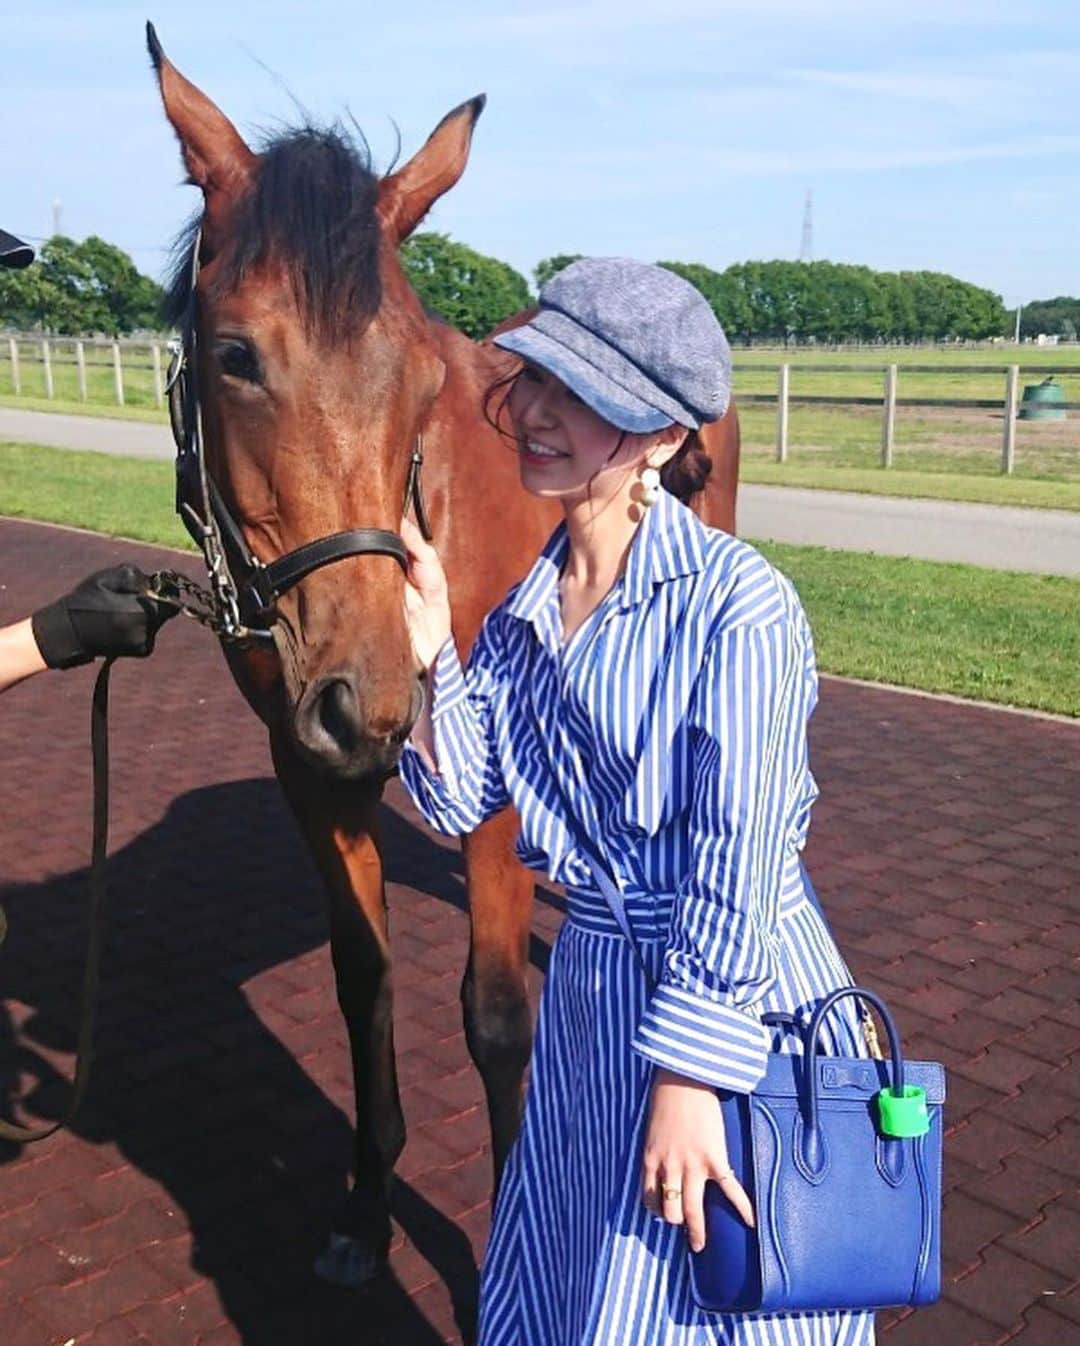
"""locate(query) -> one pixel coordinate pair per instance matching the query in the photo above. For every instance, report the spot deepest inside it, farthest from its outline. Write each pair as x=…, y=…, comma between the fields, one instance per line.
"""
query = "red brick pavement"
x=187, y=1203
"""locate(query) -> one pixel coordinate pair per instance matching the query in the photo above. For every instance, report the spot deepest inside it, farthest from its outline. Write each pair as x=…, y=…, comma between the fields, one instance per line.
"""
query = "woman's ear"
x=666, y=444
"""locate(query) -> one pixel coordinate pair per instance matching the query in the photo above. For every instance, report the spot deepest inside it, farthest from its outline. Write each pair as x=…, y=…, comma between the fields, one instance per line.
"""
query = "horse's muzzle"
x=334, y=730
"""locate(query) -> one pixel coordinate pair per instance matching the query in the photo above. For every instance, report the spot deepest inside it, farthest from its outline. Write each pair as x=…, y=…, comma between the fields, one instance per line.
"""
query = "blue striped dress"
x=674, y=722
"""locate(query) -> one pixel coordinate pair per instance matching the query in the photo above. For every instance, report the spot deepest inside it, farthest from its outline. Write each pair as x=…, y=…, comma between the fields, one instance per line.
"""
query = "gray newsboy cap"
x=636, y=342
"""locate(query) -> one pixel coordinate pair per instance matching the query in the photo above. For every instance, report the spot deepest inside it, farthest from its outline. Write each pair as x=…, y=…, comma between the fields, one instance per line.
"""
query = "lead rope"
x=84, y=1048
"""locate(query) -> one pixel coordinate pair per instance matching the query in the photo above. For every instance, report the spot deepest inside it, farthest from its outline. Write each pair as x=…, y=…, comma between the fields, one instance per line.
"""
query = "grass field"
x=138, y=376
x=937, y=441
x=987, y=634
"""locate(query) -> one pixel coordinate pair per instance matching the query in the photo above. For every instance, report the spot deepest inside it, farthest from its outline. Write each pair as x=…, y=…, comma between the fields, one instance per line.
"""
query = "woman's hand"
x=685, y=1146
x=427, y=602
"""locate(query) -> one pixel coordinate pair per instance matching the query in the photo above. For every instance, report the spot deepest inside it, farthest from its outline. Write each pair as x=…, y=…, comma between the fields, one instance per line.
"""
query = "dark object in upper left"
x=14, y=252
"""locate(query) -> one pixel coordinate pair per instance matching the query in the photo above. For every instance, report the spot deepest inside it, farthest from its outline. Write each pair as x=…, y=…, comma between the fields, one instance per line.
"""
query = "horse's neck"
x=488, y=529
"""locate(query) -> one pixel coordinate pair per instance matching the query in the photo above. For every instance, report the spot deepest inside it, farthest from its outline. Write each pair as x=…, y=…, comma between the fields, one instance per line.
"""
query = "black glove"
x=107, y=614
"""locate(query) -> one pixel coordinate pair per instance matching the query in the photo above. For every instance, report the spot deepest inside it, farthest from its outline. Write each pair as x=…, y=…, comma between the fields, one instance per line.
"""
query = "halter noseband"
x=244, y=589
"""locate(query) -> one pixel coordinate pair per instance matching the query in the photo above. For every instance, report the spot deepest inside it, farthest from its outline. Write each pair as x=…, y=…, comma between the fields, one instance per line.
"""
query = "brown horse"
x=319, y=369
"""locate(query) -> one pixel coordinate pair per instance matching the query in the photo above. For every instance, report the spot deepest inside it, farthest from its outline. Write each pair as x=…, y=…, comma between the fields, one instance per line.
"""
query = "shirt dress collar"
x=669, y=543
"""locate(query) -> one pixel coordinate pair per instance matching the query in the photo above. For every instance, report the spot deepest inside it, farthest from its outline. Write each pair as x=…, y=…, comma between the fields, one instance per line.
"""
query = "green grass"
x=126, y=497
x=929, y=485
x=987, y=634
x=965, y=444
x=821, y=376
x=138, y=377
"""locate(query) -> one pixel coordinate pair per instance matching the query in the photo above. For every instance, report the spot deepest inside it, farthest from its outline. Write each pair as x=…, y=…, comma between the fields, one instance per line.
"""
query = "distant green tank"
x=1038, y=402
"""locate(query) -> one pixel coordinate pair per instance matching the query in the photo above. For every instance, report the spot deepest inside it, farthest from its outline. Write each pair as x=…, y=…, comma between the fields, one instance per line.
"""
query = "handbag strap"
x=602, y=873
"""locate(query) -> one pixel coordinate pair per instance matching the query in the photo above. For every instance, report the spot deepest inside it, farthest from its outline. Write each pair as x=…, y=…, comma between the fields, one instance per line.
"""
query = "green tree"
x=468, y=289
x=1056, y=317
x=122, y=298
x=551, y=266
x=74, y=288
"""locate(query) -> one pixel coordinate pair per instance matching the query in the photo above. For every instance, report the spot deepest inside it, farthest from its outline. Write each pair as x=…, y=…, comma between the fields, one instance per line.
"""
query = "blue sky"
x=933, y=133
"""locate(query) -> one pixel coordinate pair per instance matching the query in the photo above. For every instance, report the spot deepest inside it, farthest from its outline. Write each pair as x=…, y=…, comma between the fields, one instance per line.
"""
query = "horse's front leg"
x=340, y=824
x=494, y=993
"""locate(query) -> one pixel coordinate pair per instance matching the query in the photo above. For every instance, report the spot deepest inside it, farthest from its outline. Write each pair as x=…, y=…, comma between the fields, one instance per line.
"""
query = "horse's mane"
x=312, y=210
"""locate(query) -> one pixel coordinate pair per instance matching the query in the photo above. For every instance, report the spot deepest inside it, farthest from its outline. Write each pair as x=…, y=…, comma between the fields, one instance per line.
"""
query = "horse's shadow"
x=192, y=1087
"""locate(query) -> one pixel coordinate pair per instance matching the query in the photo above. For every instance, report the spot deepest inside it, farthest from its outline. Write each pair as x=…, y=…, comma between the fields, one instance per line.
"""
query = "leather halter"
x=245, y=589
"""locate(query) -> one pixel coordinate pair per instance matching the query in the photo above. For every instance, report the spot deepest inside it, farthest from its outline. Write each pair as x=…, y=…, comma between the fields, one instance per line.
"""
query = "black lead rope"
x=84, y=1050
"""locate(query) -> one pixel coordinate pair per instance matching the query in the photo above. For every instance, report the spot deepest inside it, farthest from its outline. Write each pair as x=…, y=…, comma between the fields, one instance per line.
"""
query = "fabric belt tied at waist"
x=649, y=913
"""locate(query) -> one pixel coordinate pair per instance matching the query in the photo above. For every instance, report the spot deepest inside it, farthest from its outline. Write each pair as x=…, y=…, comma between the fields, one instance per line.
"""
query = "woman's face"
x=564, y=448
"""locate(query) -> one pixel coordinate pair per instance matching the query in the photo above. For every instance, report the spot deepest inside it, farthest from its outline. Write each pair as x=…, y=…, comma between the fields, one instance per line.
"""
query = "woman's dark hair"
x=687, y=471
x=684, y=474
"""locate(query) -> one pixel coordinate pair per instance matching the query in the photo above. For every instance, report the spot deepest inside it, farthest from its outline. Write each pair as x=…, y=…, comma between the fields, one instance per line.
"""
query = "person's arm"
x=19, y=654
x=450, y=763
x=748, y=721
x=107, y=614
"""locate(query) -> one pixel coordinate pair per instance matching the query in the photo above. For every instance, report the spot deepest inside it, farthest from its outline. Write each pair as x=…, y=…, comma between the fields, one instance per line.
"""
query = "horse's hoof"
x=347, y=1262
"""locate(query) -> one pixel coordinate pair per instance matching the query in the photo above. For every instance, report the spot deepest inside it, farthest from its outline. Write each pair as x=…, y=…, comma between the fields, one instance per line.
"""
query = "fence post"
x=16, y=381
x=783, y=385
x=159, y=393
x=46, y=359
x=80, y=362
x=1008, y=439
x=118, y=374
x=888, y=424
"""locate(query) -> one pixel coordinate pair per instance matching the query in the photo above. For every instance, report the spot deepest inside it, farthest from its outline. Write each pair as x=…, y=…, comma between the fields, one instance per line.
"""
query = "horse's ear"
x=216, y=158
x=406, y=196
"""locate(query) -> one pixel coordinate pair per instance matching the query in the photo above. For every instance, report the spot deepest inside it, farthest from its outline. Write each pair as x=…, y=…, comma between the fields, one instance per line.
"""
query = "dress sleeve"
x=748, y=724
x=468, y=785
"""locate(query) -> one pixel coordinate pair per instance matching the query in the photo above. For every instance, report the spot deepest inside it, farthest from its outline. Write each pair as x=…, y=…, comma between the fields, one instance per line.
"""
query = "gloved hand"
x=108, y=613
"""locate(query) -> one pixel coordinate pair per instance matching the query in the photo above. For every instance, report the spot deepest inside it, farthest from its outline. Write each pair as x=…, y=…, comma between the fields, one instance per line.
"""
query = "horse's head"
x=317, y=370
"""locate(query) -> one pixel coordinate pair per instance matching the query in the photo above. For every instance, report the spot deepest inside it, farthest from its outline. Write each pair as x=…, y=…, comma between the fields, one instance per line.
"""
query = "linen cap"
x=637, y=343
x=13, y=251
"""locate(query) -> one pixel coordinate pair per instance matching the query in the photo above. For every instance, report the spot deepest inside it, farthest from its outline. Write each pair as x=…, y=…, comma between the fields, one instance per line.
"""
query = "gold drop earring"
x=650, y=486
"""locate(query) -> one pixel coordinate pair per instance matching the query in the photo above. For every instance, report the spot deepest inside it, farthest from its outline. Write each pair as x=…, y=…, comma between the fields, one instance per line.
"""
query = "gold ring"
x=671, y=1193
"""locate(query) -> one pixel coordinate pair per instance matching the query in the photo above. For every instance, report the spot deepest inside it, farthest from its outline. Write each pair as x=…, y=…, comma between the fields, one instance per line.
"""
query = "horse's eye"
x=238, y=360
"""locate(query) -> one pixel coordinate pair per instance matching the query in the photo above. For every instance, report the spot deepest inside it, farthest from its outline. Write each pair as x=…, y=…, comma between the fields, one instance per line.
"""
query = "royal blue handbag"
x=841, y=1159
x=848, y=1216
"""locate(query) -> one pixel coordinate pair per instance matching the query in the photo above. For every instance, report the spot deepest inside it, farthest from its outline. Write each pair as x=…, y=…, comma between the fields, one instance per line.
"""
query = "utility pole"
x=806, y=250
x=1019, y=310
x=57, y=217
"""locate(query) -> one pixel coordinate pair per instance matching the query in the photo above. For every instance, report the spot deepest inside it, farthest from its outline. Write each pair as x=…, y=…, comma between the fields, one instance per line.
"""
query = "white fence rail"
x=1008, y=403
x=131, y=372
x=87, y=369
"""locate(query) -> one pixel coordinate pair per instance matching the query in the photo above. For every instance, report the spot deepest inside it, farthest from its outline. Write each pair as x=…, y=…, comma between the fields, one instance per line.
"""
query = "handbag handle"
x=813, y=1036
x=909, y=1111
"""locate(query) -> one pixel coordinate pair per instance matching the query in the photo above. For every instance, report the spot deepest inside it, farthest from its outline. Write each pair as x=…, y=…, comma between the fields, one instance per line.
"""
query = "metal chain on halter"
x=189, y=598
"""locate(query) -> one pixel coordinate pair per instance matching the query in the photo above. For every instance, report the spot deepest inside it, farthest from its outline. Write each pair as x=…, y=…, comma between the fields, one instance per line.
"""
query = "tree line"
x=93, y=286
x=1057, y=317
x=79, y=288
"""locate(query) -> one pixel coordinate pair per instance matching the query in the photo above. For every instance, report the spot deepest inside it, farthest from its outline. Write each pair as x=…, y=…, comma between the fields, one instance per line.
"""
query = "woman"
x=645, y=688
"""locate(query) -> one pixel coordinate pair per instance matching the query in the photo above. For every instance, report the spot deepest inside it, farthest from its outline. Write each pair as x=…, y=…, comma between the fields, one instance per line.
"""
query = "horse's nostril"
x=337, y=711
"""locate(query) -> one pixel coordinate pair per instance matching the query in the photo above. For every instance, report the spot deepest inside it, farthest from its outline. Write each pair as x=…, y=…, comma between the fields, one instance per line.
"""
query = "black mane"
x=312, y=209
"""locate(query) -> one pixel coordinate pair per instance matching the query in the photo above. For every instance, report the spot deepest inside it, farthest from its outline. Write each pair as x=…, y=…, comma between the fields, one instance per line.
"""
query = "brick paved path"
x=190, y=1199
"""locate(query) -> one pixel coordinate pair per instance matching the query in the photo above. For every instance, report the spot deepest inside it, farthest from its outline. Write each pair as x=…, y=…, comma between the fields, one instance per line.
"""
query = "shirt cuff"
x=706, y=1040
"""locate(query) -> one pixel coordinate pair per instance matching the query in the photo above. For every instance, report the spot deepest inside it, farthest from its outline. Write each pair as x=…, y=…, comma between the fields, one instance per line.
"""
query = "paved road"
x=1044, y=541
x=186, y=1205
x=130, y=439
